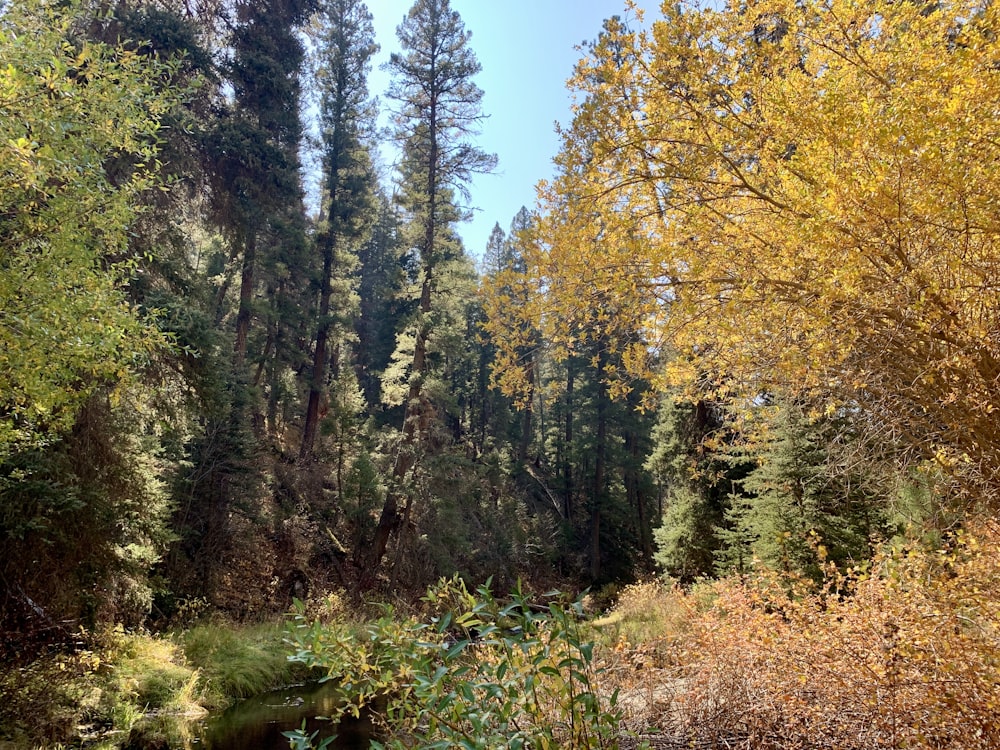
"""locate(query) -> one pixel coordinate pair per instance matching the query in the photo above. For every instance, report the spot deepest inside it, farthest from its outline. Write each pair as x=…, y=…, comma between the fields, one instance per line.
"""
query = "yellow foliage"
x=788, y=195
x=79, y=141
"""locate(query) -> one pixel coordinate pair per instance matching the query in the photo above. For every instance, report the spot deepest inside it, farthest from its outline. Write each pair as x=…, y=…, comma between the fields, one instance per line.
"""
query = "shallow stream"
x=257, y=723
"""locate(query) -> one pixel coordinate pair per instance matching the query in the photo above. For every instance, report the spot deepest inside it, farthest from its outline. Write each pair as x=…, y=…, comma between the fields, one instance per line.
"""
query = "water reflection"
x=257, y=723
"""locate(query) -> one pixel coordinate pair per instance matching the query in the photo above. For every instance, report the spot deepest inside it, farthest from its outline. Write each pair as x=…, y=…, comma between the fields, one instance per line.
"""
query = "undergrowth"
x=129, y=684
x=905, y=656
x=475, y=673
x=237, y=663
x=97, y=695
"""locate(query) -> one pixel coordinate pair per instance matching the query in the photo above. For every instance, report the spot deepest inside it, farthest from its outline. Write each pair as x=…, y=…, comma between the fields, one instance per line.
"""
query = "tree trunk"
x=318, y=379
x=568, y=442
x=246, y=298
x=414, y=418
x=599, y=492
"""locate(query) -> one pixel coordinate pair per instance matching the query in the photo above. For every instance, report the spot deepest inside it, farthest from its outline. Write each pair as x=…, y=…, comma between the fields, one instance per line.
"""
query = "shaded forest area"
x=216, y=399
x=750, y=330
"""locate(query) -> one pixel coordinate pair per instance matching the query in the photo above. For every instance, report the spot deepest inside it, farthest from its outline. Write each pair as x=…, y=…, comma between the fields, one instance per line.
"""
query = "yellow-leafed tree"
x=797, y=196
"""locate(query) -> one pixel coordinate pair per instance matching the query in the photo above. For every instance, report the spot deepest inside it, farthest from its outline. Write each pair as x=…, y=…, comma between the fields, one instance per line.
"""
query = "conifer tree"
x=347, y=44
x=256, y=199
x=800, y=505
x=258, y=194
x=381, y=280
x=503, y=265
x=692, y=463
x=438, y=109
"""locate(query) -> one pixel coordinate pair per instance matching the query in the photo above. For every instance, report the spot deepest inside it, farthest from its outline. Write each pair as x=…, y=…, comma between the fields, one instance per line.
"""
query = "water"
x=257, y=723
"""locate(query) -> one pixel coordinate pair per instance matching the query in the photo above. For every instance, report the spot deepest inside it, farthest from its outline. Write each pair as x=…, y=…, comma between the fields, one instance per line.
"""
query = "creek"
x=257, y=723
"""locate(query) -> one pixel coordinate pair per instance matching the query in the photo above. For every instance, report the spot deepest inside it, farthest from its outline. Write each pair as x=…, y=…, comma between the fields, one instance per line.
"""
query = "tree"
x=88, y=105
x=250, y=148
x=258, y=193
x=382, y=306
x=346, y=47
x=438, y=109
x=808, y=499
x=80, y=136
x=502, y=285
x=794, y=197
x=694, y=463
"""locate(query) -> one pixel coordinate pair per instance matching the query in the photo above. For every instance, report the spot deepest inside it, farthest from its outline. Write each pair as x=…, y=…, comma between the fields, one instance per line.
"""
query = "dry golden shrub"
x=908, y=657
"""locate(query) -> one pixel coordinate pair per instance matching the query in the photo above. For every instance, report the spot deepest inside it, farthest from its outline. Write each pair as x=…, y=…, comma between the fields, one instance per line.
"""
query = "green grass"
x=152, y=673
x=237, y=663
x=140, y=681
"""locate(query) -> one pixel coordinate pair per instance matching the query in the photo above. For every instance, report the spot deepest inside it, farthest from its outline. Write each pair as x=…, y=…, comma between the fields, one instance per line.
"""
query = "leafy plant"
x=904, y=656
x=480, y=673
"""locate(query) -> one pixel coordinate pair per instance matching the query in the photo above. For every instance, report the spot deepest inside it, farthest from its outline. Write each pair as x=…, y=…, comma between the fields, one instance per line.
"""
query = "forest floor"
x=902, y=653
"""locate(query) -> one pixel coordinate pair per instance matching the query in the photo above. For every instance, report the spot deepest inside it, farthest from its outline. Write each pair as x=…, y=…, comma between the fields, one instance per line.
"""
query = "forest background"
x=751, y=323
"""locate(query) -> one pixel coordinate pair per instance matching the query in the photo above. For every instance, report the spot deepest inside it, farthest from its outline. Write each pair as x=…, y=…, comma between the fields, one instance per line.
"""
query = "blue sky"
x=527, y=50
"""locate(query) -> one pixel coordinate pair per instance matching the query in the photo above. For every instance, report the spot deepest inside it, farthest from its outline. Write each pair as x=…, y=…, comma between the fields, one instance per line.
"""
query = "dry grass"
x=909, y=658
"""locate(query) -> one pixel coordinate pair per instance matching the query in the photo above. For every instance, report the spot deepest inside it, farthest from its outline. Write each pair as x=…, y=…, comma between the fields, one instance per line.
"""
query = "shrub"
x=905, y=657
x=478, y=674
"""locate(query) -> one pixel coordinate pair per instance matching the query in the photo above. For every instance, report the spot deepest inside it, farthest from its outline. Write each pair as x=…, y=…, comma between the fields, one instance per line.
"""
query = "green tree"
x=692, y=462
x=504, y=284
x=259, y=267
x=346, y=45
x=438, y=110
x=90, y=105
x=807, y=500
x=382, y=278
x=80, y=135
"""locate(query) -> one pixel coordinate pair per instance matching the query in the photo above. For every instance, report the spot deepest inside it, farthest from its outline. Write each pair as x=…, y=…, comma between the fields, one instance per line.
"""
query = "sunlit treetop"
x=790, y=196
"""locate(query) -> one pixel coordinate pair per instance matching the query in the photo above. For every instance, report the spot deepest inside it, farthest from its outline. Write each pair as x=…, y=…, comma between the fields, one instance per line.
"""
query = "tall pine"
x=346, y=45
x=437, y=111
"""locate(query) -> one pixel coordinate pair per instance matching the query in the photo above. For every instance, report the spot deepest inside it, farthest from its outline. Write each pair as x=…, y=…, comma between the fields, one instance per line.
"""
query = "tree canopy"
x=791, y=196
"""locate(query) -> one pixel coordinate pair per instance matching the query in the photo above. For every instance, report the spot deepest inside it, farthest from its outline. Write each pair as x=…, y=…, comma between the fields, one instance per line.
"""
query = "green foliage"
x=237, y=663
x=479, y=673
x=79, y=140
x=151, y=673
x=691, y=464
x=84, y=520
x=686, y=538
x=801, y=506
x=102, y=691
x=380, y=287
x=791, y=491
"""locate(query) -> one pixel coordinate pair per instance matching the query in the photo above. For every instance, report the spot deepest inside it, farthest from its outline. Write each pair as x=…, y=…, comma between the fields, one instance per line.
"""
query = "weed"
x=236, y=664
x=906, y=656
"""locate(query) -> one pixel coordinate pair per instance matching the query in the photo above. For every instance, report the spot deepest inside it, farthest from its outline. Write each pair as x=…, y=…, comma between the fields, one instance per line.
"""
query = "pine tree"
x=438, y=109
x=251, y=160
x=258, y=193
x=503, y=266
x=381, y=282
x=346, y=46
x=691, y=461
x=801, y=506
